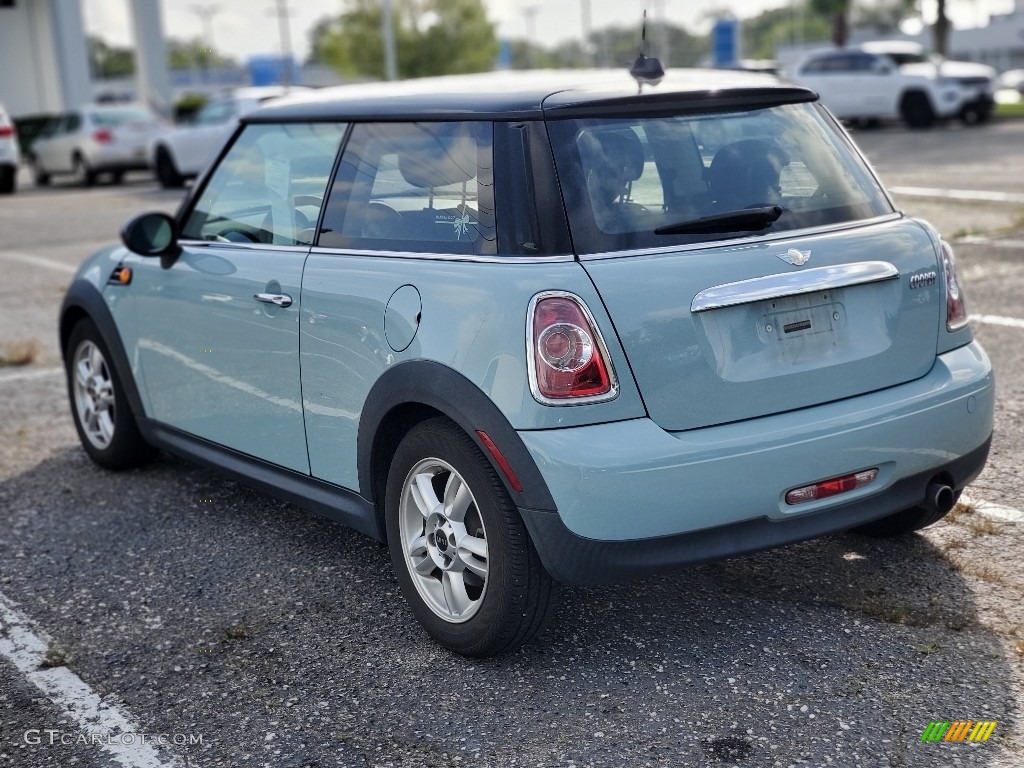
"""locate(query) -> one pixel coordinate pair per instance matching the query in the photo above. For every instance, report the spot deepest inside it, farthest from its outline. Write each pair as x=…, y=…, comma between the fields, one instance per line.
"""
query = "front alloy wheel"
x=104, y=421
x=459, y=548
x=93, y=395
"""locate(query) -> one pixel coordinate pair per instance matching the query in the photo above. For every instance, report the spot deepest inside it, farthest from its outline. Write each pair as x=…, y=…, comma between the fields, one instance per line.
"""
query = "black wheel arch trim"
x=84, y=298
x=442, y=389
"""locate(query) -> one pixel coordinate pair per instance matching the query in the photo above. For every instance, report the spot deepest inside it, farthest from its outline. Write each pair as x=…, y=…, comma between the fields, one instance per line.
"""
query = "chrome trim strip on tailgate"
x=792, y=284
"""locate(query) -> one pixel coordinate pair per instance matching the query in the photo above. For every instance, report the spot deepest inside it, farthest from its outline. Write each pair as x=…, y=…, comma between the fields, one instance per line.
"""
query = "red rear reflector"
x=6, y=131
x=103, y=136
x=832, y=487
x=502, y=461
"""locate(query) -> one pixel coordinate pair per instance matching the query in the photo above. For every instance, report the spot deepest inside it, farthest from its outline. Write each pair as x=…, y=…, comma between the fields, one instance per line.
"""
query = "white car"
x=94, y=140
x=185, y=151
x=897, y=80
x=9, y=156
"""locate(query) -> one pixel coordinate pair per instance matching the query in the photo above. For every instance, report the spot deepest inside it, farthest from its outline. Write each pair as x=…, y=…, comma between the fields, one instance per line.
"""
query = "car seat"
x=613, y=159
x=746, y=174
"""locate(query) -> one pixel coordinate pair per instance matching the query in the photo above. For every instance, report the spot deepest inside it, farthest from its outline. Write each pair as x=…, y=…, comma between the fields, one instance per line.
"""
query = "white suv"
x=9, y=156
x=897, y=80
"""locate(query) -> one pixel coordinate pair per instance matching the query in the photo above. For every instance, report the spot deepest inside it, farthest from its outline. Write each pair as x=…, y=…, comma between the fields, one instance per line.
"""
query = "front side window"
x=419, y=187
x=655, y=181
x=269, y=187
x=215, y=113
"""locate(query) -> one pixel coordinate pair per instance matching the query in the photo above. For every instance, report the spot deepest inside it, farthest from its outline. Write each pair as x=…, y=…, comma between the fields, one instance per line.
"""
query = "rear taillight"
x=956, y=310
x=567, y=358
x=103, y=136
x=6, y=131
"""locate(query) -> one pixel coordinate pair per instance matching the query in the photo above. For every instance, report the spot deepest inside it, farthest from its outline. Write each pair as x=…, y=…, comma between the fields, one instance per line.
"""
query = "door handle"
x=280, y=299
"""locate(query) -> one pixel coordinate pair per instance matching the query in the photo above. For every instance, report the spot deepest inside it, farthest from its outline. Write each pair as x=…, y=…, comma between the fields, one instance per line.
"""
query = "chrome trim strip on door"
x=780, y=285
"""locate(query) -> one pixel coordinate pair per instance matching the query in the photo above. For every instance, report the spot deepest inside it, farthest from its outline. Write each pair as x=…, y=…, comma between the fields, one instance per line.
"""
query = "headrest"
x=617, y=148
x=439, y=160
x=750, y=163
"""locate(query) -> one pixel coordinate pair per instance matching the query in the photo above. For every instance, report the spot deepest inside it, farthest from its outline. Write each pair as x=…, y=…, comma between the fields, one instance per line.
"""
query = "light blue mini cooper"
x=531, y=329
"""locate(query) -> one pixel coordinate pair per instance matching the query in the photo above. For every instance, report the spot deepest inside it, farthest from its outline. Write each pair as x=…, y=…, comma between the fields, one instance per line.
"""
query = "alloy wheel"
x=443, y=540
x=94, y=394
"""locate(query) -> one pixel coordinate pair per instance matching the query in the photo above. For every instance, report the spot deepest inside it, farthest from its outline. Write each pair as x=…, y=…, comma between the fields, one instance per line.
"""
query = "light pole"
x=206, y=13
x=585, y=24
x=285, y=32
x=388, y=32
x=530, y=16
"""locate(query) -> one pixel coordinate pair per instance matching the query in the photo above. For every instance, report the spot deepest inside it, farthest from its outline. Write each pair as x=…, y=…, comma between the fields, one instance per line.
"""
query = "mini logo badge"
x=795, y=257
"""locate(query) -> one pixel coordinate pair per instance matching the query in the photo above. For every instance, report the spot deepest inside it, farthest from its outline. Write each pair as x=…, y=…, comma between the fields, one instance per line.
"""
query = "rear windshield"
x=624, y=178
x=120, y=116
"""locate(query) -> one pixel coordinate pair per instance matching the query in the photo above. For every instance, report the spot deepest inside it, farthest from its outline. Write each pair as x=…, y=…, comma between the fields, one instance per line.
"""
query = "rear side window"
x=419, y=187
x=624, y=178
x=269, y=187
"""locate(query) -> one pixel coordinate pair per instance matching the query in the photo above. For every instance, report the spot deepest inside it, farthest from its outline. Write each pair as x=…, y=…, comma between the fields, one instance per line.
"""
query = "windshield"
x=636, y=182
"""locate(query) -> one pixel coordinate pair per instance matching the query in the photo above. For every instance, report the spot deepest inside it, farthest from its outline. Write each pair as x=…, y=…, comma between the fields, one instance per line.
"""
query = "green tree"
x=675, y=46
x=764, y=33
x=193, y=54
x=432, y=37
x=107, y=61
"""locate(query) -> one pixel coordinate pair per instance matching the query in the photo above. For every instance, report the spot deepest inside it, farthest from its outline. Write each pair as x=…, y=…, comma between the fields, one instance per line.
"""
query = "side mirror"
x=152, y=234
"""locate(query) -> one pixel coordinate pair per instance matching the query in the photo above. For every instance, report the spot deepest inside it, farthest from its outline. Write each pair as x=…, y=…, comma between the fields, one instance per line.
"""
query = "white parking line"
x=1009, y=322
x=995, y=511
x=25, y=647
x=990, y=242
x=23, y=375
x=38, y=261
x=973, y=195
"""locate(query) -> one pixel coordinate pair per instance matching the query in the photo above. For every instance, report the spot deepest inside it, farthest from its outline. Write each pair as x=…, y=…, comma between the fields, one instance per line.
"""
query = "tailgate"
x=721, y=334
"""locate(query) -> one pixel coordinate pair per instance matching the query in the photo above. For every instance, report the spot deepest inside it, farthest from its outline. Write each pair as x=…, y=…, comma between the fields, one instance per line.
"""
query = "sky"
x=245, y=27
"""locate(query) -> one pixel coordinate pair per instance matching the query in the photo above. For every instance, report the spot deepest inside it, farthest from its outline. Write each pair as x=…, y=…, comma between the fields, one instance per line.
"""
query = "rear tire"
x=461, y=553
x=904, y=522
x=166, y=173
x=916, y=110
x=99, y=406
x=84, y=175
x=8, y=179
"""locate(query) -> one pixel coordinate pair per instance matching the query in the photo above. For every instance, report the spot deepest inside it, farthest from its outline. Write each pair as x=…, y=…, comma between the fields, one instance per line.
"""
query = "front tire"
x=103, y=418
x=166, y=173
x=39, y=174
x=916, y=110
x=459, y=548
x=83, y=175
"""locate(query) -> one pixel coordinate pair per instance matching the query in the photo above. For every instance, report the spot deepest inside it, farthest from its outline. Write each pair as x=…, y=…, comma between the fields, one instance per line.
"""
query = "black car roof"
x=523, y=95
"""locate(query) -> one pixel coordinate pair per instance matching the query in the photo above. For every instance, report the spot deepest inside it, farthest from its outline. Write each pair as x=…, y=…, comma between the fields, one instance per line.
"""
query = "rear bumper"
x=118, y=159
x=633, y=499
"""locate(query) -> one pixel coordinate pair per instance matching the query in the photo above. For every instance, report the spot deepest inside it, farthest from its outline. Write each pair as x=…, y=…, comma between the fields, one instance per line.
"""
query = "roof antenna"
x=644, y=70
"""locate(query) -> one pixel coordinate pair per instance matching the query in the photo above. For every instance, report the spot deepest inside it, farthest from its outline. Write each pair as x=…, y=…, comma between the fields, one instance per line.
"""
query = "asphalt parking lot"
x=244, y=632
